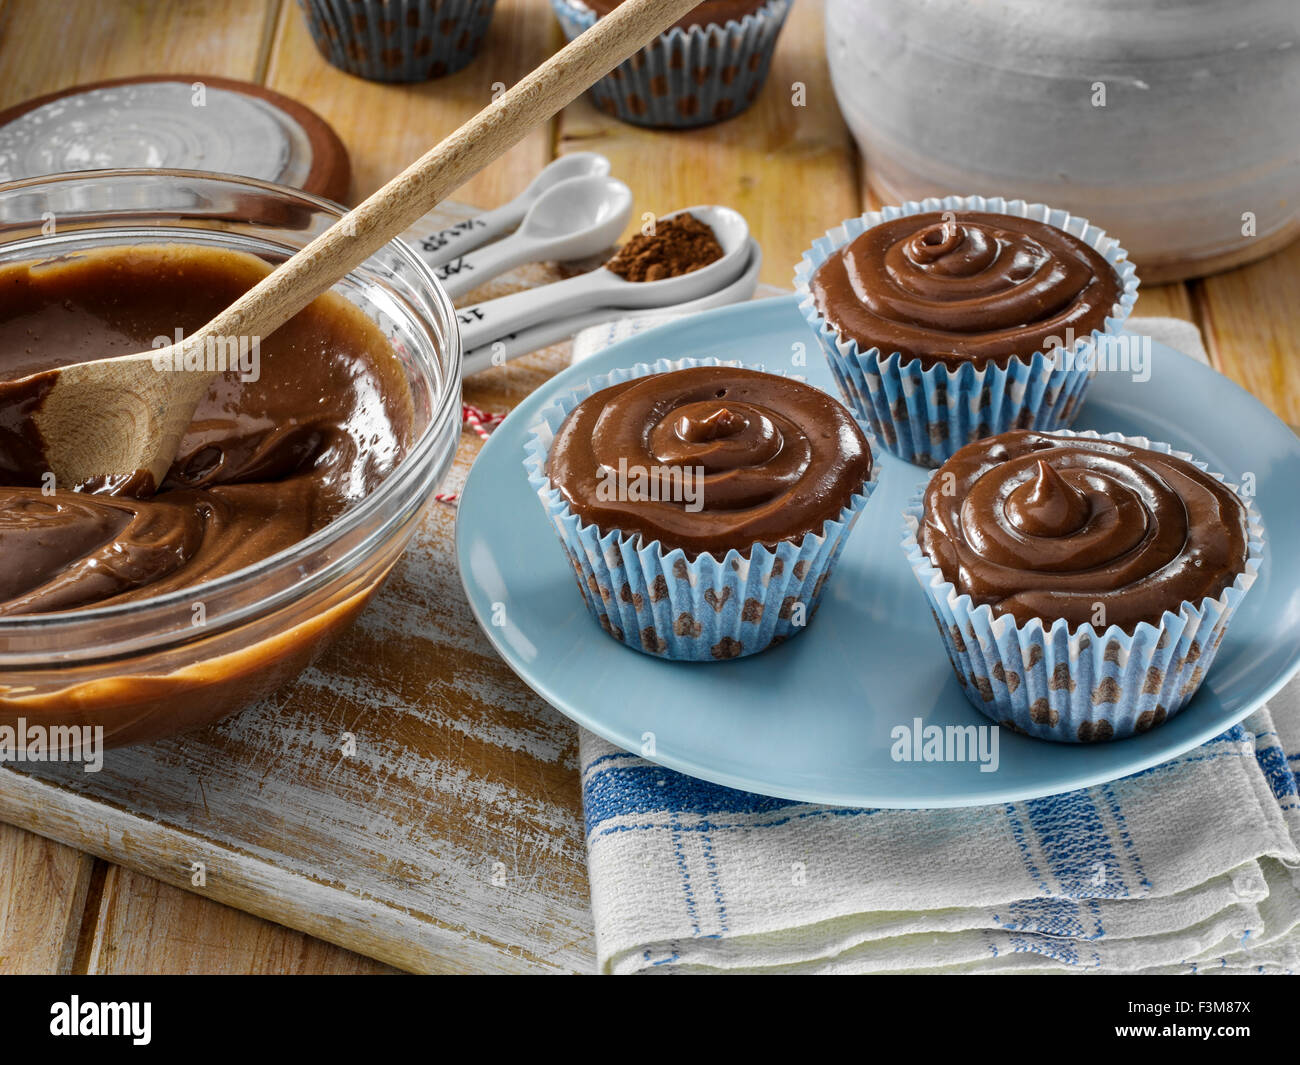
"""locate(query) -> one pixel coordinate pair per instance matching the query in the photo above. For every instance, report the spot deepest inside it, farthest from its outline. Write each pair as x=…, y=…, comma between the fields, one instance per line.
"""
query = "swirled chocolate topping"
x=1094, y=531
x=958, y=287
x=710, y=12
x=709, y=458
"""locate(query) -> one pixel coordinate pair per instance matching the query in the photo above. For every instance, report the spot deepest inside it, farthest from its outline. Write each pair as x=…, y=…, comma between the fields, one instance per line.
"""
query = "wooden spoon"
x=115, y=424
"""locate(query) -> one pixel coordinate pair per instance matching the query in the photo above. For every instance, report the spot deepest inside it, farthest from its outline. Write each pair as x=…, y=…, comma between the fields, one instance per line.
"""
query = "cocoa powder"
x=677, y=246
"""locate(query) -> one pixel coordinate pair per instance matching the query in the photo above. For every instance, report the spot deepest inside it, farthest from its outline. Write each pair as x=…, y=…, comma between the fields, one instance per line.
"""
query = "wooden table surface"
x=792, y=171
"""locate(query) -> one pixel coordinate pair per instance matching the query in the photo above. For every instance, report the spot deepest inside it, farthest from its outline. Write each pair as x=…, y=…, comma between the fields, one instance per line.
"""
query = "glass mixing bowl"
x=151, y=668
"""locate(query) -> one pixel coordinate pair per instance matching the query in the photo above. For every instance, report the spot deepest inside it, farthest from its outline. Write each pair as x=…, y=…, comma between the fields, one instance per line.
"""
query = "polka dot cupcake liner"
x=662, y=603
x=686, y=78
x=925, y=416
x=398, y=40
x=1080, y=686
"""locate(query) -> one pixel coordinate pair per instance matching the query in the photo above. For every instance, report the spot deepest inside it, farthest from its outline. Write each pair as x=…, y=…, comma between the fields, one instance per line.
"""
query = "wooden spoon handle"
x=427, y=181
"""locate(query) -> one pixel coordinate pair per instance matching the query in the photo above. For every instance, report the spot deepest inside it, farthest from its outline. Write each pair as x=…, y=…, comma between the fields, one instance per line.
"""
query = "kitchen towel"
x=1192, y=866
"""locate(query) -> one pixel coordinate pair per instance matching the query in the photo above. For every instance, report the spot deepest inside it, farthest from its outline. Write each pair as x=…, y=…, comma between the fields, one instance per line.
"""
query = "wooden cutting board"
x=450, y=840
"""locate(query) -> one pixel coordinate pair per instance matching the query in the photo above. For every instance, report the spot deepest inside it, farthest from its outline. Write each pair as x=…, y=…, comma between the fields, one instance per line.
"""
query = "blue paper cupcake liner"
x=686, y=78
x=398, y=40
x=661, y=602
x=925, y=416
x=1080, y=686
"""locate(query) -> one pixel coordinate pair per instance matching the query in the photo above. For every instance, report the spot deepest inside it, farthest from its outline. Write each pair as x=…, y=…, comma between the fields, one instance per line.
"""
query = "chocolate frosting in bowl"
x=964, y=287
x=709, y=458
x=264, y=463
x=1044, y=526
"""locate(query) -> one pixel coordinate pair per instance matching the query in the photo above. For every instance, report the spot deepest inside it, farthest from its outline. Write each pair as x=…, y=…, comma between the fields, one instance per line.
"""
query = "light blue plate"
x=811, y=719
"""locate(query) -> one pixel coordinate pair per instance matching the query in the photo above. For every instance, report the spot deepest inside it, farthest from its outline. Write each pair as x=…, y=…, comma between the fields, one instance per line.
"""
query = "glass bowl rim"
x=446, y=399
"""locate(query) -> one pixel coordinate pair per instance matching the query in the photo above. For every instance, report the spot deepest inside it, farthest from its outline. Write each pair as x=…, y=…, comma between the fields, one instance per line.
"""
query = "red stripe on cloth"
x=482, y=422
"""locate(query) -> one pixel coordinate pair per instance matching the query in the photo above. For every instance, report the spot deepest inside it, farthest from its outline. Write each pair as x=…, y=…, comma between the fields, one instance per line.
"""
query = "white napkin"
x=1190, y=866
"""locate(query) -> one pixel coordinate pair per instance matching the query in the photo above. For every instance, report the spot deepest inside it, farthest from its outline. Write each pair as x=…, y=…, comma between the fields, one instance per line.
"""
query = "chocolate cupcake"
x=702, y=506
x=1081, y=583
x=950, y=320
x=707, y=67
x=398, y=40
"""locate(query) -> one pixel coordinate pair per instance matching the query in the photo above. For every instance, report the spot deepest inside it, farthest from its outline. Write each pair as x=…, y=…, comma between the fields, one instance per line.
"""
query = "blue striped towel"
x=1191, y=866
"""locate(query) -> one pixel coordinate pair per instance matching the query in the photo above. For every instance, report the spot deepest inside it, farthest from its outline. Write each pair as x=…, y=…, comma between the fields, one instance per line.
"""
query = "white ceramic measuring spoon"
x=504, y=349
x=481, y=323
x=460, y=237
x=573, y=219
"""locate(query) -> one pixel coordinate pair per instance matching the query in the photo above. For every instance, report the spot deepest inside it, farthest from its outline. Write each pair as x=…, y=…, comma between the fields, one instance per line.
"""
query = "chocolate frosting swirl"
x=709, y=458
x=1044, y=526
x=956, y=287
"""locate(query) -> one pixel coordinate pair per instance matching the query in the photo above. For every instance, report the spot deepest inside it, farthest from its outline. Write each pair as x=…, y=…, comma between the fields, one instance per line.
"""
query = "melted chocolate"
x=1043, y=526
x=22, y=452
x=958, y=287
x=264, y=463
x=709, y=459
x=710, y=12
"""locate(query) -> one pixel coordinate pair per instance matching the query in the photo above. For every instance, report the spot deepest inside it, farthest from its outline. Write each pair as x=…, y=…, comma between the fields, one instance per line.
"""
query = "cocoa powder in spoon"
x=678, y=245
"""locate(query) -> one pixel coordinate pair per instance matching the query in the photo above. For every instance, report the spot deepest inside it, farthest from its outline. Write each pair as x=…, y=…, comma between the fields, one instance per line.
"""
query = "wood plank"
x=49, y=46
x=783, y=167
x=385, y=127
x=1251, y=319
x=43, y=889
x=144, y=926
x=1165, y=301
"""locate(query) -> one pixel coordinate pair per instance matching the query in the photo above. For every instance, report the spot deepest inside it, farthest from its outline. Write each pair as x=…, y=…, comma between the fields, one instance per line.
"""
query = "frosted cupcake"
x=950, y=320
x=707, y=67
x=702, y=506
x=398, y=40
x=1081, y=584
